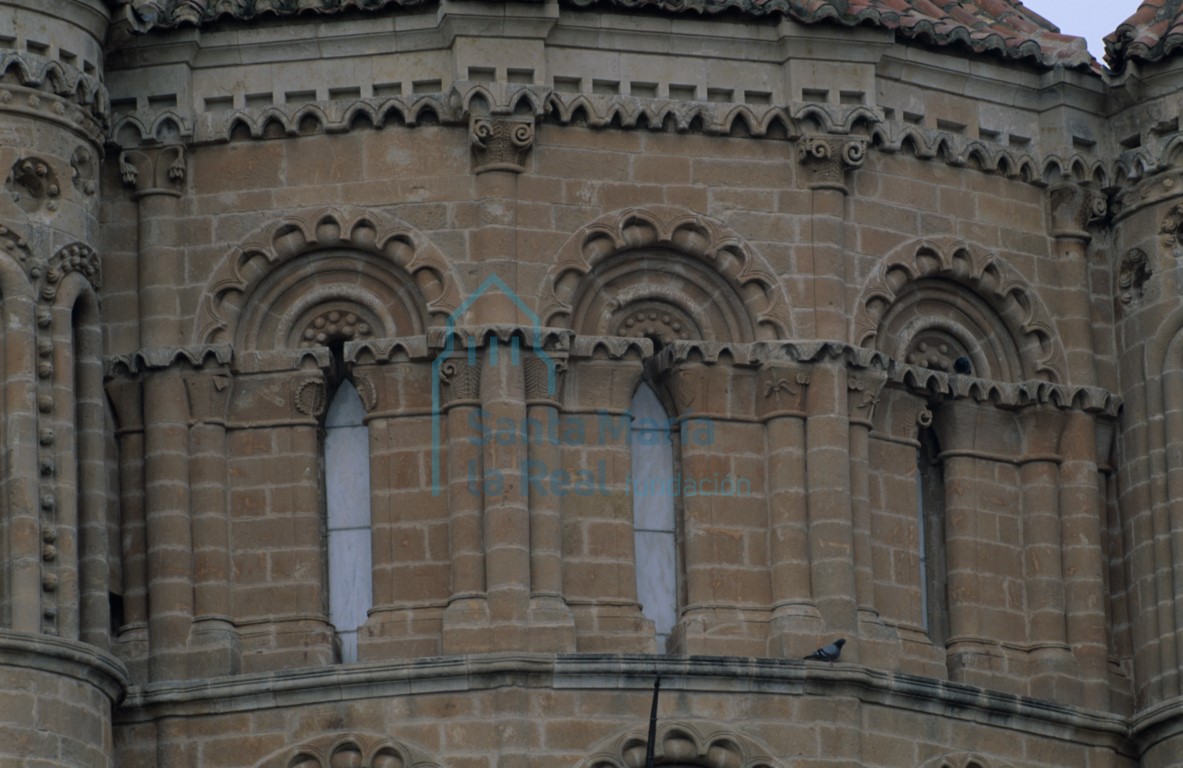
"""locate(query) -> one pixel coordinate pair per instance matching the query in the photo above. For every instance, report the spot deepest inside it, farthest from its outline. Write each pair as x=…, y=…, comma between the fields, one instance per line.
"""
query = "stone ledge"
x=69, y=658
x=457, y=674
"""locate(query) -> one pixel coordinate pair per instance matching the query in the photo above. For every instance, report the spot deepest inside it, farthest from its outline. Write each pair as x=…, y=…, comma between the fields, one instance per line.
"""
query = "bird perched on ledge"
x=829, y=652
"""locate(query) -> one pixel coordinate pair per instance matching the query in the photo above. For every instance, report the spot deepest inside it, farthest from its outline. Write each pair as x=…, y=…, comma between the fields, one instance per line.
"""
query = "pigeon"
x=829, y=652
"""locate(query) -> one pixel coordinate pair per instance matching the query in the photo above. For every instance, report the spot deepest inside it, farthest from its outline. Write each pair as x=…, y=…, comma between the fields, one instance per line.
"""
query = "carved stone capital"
x=864, y=388
x=153, y=172
x=500, y=144
x=1074, y=209
x=309, y=396
x=461, y=380
x=209, y=395
x=782, y=390
x=544, y=376
x=827, y=158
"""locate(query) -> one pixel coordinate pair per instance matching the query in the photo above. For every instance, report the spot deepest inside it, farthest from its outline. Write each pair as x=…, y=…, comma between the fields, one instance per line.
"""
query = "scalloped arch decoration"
x=722, y=267
x=962, y=760
x=379, y=239
x=1025, y=324
x=350, y=751
x=710, y=745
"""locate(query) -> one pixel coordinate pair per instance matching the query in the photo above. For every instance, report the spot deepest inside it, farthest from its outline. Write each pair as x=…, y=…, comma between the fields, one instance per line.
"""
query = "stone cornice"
x=455, y=674
x=86, y=92
x=68, y=658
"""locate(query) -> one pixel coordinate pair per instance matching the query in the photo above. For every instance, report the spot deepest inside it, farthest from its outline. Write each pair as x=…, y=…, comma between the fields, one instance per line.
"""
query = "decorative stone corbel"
x=154, y=172
x=829, y=157
x=1074, y=209
x=500, y=144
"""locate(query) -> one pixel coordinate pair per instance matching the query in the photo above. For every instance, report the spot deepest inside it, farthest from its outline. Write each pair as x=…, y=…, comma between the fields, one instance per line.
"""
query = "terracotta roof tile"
x=1153, y=33
x=1002, y=27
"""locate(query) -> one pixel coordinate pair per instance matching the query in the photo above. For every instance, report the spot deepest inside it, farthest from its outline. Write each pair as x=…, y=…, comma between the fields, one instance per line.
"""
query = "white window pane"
x=350, y=585
x=657, y=579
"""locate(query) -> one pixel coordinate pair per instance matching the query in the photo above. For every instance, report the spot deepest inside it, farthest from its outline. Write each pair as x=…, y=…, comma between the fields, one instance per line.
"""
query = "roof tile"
x=1002, y=27
x=1154, y=32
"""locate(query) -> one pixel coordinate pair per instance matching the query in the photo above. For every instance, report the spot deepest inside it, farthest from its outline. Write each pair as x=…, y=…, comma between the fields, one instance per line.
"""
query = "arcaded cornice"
x=1001, y=27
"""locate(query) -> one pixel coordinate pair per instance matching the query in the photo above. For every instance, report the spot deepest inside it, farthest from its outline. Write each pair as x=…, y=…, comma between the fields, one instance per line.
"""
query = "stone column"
x=827, y=158
x=599, y=562
x=1081, y=512
x=796, y=623
x=157, y=179
x=214, y=637
x=724, y=510
x=461, y=476
x=1073, y=209
x=1039, y=473
x=831, y=534
x=126, y=395
x=552, y=625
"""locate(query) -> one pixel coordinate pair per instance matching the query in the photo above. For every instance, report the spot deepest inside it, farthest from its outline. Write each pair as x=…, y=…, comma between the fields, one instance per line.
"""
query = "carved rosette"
x=829, y=157
x=500, y=144
x=1074, y=209
x=154, y=172
x=1171, y=231
x=33, y=184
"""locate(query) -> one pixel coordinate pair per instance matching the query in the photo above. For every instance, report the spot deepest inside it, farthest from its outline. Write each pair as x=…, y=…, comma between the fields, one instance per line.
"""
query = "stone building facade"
x=411, y=382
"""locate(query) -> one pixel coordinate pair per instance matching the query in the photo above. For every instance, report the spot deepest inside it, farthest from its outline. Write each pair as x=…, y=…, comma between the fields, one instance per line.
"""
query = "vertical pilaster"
x=831, y=534
x=795, y=622
x=1073, y=209
x=214, y=636
x=828, y=158
x=552, y=625
x=157, y=180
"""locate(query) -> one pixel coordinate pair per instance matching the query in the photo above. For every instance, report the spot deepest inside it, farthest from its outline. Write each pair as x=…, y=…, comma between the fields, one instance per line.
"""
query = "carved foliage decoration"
x=76, y=257
x=158, y=171
x=500, y=144
x=829, y=157
x=295, y=282
x=945, y=304
x=684, y=743
x=1133, y=272
x=1171, y=231
x=664, y=274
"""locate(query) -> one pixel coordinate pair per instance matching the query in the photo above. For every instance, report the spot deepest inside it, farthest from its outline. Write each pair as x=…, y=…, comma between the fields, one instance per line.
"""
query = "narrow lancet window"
x=347, y=500
x=654, y=520
x=930, y=512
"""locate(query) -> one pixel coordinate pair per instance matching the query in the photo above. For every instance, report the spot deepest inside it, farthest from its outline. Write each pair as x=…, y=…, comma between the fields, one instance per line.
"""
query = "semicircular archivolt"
x=706, y=744
x=685, y=269
x=942, y=303
x=401, y=265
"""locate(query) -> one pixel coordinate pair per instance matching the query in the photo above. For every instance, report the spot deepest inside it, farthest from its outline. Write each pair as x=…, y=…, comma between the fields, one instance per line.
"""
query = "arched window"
x=654, y=521
x=347, y=503
x=930, y=513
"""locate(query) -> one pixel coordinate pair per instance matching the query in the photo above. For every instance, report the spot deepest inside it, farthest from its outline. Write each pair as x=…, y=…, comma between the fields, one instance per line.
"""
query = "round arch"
x=705, y=744
x=664, y=273
x=934, y=303
x=352, y=273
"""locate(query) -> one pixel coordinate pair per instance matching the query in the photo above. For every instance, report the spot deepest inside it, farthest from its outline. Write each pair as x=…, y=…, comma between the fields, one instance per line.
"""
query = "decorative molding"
x=371, y=351
x=464, y=337
x=758, y=297
x=388, y=240
x=157, y=358
x=988, y=276
x=32, y=70
x=76, y=257
x=32, y=184
x=1133, y=272
x=500, y=144
x=827, y=158
x=963, y=760
x=610, y=348
x=683, y=742
x=354, y=750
